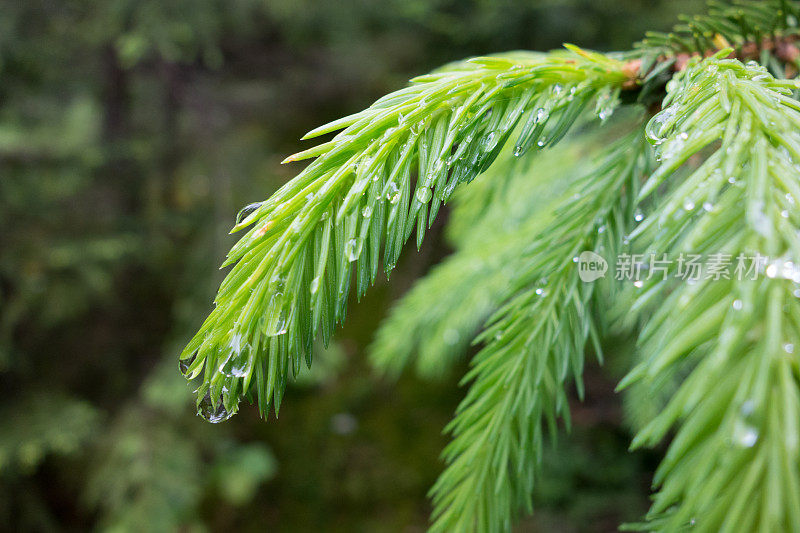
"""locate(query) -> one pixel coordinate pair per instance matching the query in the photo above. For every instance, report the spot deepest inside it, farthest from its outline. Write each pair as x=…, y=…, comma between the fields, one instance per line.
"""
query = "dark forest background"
x=131, y=133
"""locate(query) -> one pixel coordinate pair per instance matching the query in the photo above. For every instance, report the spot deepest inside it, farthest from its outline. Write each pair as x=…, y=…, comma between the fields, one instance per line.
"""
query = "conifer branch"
x=734, y=463
x=387, y=172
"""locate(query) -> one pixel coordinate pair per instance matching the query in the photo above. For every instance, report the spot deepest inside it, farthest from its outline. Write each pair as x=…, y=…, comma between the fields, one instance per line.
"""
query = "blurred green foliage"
x=131, y=132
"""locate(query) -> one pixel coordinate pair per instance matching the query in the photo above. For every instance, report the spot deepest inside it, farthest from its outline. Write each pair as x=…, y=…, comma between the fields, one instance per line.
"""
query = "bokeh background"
x=131, y=132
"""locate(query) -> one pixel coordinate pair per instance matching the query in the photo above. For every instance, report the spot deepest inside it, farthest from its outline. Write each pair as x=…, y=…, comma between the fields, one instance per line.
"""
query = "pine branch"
x=734, y=463
x=534, y=344
x=389, y=170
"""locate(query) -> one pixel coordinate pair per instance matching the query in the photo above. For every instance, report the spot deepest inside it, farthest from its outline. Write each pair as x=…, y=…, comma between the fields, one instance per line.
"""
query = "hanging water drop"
x=638, y=216
x=352, y=249
x=211, y=413
x=314, y=287
x=423, y=195
x=366, y=212
x=184, y=364
x=277, y=325
x=392, y=193
x=246, y=211
x=488, y=141
x=745, y=435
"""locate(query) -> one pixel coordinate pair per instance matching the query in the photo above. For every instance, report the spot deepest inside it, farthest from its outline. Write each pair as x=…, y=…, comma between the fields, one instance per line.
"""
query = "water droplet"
x=246, y=211
x=488, y=141
x=278, y=326
x=352, y=249
x=423, y=195
x=708, y=206
x=184, y=364
x=392, y=192
x=314, y=287
x=785, y=213
x=638, y=284
x=540, y=292
x=366, y=212
x=237, y=364
x=541, y=115
x=788, y=347
x=638, y=216
x=745, y=435
x=688, y=205
x=214, y=414
x=737, y=304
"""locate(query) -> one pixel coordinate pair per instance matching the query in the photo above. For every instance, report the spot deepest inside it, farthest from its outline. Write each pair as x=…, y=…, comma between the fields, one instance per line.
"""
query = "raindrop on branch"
x=246, y=211
x=211, y=413
x=352, y=249
x=423, y=195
